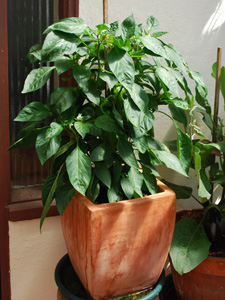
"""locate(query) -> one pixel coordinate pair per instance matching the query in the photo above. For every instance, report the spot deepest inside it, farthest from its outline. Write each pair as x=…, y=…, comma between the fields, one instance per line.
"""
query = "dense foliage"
x=192, y=240
x=99, y=134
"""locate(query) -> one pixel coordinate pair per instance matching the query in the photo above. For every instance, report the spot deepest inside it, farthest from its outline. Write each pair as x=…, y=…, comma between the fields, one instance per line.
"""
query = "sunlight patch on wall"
x=216, y=20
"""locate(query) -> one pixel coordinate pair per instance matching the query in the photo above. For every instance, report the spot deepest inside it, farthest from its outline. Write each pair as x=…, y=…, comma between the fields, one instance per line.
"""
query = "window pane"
x=27, y=19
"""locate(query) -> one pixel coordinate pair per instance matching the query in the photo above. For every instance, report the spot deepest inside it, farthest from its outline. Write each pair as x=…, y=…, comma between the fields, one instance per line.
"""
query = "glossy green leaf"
x=63, y=98
x=50, y=198
x=103, y=174
x=35, y=111
x=150, y=181
x=204, y=185
x=48, y=142
x=128, y=27
x=84, y=128
x=78, y=167
x=175, y=57
x=34, y=53
x=36, y=79
x=136, y=179
x=127, y=187
x=107, y=123
x=70, y=25
x=190, y=245
x=154, y=45
x=126, y=152
x=152, y=23
x=184, y=149
x=206, y=117
x=63, y=197
x=142, y=120
x=201, y=98
x=82, y=75
x=112, y=193
x=139, y=97
x=168, y=78
x=180, y=103
x=101, y=153
x=122, y=66
x=178, y=114
x=47, y=187
x=170, y=160
x=57, y=44
x=109, y=78
x=28, y=139
x=63, y=64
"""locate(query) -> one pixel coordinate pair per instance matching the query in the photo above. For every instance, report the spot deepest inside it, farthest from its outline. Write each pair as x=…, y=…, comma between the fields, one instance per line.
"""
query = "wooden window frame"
x=21, y=210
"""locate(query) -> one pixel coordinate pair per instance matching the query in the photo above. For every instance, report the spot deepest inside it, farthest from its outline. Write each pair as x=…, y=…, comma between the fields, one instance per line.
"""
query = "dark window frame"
x=23, y=210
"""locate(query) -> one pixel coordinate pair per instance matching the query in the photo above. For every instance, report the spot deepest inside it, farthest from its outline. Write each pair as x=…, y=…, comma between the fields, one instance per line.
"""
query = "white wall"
x=196, y=28
x=33, y=258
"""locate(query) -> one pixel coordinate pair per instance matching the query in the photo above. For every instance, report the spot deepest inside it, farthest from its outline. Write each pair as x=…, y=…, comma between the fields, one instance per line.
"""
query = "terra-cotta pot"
x=119, y=248
x=205, y=282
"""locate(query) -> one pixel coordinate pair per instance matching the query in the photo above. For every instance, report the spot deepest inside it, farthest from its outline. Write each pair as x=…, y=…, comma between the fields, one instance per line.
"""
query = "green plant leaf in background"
x=190, y=245
x=103, y=174
x=136, y=179
x=127, y=187
x=126, y=152
x=63, y=98
x=36, y=79
x=184, y=149
x=63, y=197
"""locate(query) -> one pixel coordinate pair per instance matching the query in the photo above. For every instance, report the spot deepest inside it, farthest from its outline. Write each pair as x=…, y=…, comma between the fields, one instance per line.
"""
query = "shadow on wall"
x=216, y=20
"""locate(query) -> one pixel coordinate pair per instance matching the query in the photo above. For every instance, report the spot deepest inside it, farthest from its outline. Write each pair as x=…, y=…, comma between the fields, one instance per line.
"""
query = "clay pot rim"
x=164, y=192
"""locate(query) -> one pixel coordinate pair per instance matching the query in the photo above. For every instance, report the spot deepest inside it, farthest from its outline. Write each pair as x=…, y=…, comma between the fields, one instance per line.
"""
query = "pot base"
x=70, y=287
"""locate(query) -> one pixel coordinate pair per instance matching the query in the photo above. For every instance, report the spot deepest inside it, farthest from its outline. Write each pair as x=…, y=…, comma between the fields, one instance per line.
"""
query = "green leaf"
x=175, y=57
x=63, y=197
x=126, y=152
x=201, y=98
x=142, y=120
x=178, y=114
x=63, y=64
x=34, y=53
x=204, y=185
x=70, y=25
x=101, y=153
x=181, y=191
x=128, y=28
x=184, y=149
x=82, y=75
x=139, y=97
x=57, y=44
x=107, y=123
x=219, y=179
x=180, y=103
x=127, y=187
x=190, y=245
x=117, y=169
x=170, y=160
x=48, y=142
x=28, y=140
x=168, y=78
x=78, y=167
x=84, y=128
x=47, y=187
x=103, y=174
x=152, y=23
x=35, y=111
x=49, y=198
x=122, y=66
x=113, y=194
x=154, y=45
x=109, y=78
x=63, y=98
x=206, y=117
x=136, y=179
x=150, y=181
x=36, y=79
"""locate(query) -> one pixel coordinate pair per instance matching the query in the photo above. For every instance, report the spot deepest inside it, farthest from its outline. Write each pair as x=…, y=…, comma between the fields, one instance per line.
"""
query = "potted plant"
x=99, y=136
x=198, y=248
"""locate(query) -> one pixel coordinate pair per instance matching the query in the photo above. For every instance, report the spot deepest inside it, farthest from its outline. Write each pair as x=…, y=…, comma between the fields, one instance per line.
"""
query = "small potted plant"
x=99, y=136
x=198, y=248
